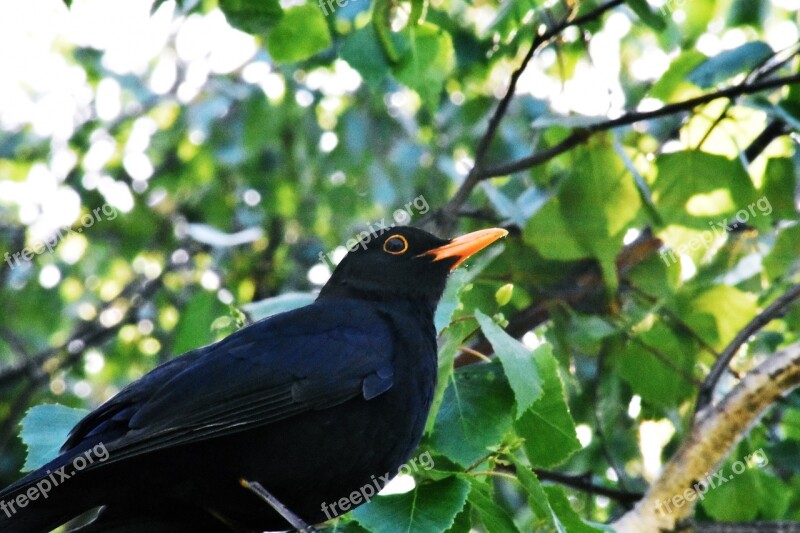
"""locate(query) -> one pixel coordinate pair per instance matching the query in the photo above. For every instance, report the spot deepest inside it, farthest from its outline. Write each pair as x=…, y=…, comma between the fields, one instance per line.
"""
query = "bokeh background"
x=174, y=169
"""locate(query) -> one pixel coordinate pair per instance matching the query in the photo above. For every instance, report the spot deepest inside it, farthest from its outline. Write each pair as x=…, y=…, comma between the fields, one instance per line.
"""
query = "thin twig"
x=584, y=483
x=448, y=212
x=296, y=522
x=706, y=392
x=582, y=134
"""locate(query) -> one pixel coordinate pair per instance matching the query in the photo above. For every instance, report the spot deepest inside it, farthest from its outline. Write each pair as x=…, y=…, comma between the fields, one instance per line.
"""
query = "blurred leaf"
x=301, y=33
x=429, y=508
x=252, y=16
x=548, y=232
x=665, y=87
x=194, y=327
x=362, y=50
x=598, y=200
x=730, y=308
x=729, y=63
x=748, y=12
x=659, y=366
x=427, y=63
x=648, y=16
x=45, y=429
x=732, y=500
x=780, y=182
x=784, y=258
x=699, y=190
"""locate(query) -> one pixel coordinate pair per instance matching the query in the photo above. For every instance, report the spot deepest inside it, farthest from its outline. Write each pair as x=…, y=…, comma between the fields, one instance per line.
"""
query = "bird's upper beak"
x=466, y=245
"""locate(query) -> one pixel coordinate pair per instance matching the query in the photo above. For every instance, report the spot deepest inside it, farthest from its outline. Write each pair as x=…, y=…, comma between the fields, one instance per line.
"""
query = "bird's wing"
x=311, y=358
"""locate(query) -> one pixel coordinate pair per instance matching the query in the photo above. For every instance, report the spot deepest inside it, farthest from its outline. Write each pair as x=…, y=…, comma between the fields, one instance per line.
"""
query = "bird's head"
x=403, y=262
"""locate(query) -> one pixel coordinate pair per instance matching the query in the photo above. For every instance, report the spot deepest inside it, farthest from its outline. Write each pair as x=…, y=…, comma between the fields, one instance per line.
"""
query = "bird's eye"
x=395, y=245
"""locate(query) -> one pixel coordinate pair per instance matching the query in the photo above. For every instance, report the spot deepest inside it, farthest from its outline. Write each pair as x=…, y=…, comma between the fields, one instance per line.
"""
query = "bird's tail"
x=45, y=498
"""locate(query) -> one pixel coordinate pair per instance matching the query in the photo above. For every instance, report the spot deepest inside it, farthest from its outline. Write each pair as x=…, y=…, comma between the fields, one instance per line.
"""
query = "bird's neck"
x=420, y=307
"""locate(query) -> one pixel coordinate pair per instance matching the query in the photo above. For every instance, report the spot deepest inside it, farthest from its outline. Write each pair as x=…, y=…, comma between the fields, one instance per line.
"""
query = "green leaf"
x=301, y=33
x=537, y=498
x=658, y=366
x=45, y=428
x=252, y=16
x=699, y=190
x=427, y=63
x=729, y=309
x=729, y=63
x=648, y=16
x=517, y=363
x=748, y=12
x=494, y=518
x=363, y=51
x=567, y=515
x=784, y=258
x=780, y=182
x=429, y=508
x=668, y=84
x=550, y=234
x=586, y=332
x=381, y=17
x=547, y=427
x=731, y=501
x=475, y=413
x=450, y=300
x=194, y=327
x=600, y=185
x=450, y=343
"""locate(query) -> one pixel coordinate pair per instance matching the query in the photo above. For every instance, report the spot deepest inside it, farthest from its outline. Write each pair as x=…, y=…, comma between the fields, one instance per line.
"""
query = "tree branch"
x=584, y=483
x=582, y=134
x=712, y=437
x=137, y=293
x=706, y=392
x=449, y=211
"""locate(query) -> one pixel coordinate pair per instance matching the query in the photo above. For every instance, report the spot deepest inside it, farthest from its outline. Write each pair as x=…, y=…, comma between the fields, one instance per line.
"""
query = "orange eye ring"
x=389, y=245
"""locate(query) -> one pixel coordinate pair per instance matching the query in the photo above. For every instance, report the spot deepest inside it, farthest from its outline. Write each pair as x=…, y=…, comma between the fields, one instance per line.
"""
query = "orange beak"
x=466, y=245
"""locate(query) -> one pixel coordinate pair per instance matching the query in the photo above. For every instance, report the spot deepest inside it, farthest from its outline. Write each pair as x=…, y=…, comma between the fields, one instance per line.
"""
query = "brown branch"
x=716, y=431
x=581, y=288
x=584, y=483
x=775, y=128
x=137, y=293
x=448, y=213
x=582, y=134
x=706, y=392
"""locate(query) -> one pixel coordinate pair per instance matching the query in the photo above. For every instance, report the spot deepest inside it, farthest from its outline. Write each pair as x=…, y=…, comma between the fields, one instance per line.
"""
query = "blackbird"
x=312, y=404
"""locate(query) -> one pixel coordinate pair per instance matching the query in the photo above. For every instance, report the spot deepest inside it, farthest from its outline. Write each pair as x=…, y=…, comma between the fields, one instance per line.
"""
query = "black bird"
x=313, y=404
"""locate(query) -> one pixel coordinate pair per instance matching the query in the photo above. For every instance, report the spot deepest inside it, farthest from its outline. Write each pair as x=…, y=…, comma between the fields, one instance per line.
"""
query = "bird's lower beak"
x=466, y=245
